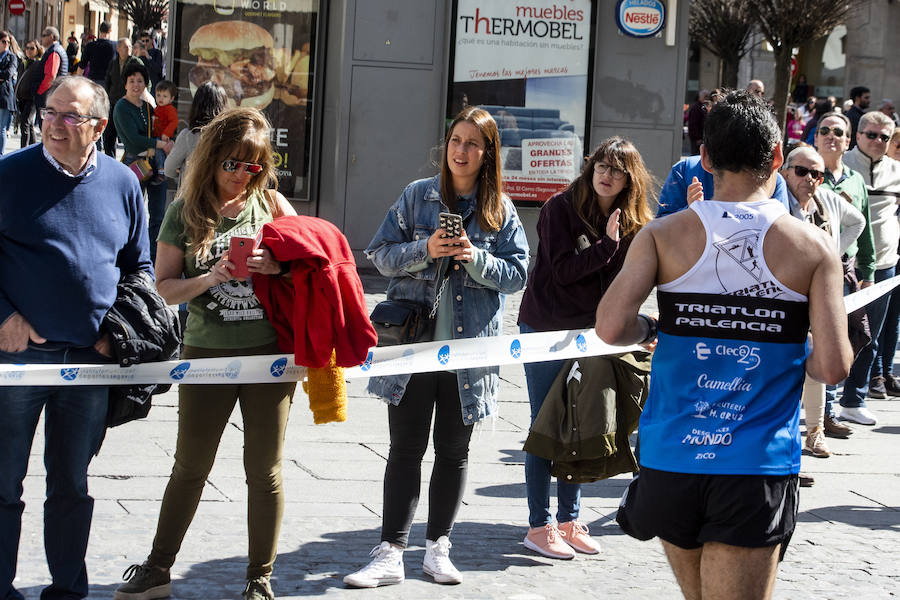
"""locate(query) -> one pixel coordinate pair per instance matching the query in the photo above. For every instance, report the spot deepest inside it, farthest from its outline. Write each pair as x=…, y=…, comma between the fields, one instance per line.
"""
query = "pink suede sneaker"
x=549, y=541
x=575, y=534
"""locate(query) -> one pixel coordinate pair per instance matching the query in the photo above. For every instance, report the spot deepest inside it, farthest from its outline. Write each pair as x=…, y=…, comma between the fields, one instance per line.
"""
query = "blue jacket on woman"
x=476, y=289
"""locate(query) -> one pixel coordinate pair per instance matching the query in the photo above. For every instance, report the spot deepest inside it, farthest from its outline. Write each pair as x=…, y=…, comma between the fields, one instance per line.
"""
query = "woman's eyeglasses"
x=838, y=132
x=877, y=136
x=73, y=119
x=231, y=165
x=615, y=172
x=803, y=172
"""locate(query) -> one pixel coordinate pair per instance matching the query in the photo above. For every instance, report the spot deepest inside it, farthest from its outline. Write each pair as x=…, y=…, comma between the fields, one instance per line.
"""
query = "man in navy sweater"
x=72, y=223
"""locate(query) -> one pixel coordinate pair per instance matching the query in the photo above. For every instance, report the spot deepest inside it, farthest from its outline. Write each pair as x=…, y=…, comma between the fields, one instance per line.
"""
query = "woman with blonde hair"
x=583, y=234
x=463, y=280
x=224, y=194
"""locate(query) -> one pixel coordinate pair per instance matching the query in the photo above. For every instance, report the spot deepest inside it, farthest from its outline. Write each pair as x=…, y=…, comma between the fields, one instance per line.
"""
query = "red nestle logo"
x=642, y=18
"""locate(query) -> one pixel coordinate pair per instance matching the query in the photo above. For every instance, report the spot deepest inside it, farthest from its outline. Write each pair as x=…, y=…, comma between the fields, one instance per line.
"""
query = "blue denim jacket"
x=401, y=244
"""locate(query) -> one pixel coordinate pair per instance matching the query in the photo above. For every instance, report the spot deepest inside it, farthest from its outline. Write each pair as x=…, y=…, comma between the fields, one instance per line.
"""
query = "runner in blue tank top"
x=740, y=285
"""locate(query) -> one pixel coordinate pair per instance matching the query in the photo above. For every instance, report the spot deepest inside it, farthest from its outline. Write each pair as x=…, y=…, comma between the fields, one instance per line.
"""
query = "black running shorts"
x=688, y=509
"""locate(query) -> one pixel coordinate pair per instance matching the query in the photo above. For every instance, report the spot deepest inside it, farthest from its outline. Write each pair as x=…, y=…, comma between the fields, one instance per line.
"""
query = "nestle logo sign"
x=640, y=18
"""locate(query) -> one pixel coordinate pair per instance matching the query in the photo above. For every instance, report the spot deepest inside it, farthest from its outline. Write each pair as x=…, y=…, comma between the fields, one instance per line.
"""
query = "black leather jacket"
x=141, y=329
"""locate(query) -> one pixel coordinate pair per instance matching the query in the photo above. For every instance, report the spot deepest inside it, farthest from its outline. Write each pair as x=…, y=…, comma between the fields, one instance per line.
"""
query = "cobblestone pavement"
x=846, y=544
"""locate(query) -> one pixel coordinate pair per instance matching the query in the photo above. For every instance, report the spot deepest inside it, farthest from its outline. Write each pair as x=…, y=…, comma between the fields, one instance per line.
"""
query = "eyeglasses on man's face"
x=69, y=118
x=837, y=131
x=615, y=172
x=231, y=165
x=874, y=135
x=803, y=172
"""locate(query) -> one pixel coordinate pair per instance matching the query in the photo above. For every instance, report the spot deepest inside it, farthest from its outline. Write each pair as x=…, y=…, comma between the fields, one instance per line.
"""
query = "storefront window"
x=529, y=64
x=263, y=52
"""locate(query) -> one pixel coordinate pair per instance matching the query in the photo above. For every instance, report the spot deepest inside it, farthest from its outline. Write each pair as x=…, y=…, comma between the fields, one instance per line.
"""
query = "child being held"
x=165, y=121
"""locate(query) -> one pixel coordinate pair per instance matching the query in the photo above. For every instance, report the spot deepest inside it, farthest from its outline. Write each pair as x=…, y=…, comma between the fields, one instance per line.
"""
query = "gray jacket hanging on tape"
x=592, y=407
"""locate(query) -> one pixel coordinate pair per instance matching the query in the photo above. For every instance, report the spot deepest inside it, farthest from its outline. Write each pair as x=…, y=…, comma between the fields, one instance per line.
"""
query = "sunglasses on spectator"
x=73, y=119
x=877, y=136
x=231, y=165
x=803, y=172
x=838, y=132
x=603, y=168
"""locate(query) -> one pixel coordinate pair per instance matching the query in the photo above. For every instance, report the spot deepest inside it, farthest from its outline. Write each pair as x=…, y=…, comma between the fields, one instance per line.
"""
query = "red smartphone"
x=239, y=251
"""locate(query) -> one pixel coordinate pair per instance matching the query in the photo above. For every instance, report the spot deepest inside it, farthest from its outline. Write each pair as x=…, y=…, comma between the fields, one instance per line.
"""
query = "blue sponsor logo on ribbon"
x=69, y=374
x=367, y=364
x=581, y=343
x=179, y=371
x=278, y=367
x=233, y=369
x=444, y=354
x=515, y=349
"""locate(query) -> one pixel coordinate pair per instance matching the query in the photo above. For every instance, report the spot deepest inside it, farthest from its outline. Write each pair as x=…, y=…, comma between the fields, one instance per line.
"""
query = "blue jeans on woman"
x=5, y=120
x=74, y=426
x=539, y=377
x=858, y=380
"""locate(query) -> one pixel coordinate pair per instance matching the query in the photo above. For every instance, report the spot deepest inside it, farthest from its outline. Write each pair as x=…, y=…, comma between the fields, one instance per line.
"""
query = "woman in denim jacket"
x=488, y=260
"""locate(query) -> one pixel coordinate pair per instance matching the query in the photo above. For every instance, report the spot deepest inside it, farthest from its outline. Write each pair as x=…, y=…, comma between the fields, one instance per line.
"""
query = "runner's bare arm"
x=617, y=320
x=831, y=355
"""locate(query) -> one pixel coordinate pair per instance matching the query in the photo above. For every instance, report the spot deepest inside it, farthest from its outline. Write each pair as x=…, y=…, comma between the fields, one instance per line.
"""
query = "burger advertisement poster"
x=262, y=52
x=528, y=62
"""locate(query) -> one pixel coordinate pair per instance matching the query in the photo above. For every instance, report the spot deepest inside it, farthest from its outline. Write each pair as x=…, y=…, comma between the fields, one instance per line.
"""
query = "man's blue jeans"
x=74, y=427
x=539, y=377
x=857, y=381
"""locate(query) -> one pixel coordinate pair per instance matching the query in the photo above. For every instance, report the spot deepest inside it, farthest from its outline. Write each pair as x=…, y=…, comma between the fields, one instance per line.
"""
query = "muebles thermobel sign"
x=528, y=63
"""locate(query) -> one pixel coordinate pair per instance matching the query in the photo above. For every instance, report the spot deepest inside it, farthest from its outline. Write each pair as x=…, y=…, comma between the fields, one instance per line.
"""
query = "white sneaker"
x=859, y=414
x=437, y=561
x=386, y=568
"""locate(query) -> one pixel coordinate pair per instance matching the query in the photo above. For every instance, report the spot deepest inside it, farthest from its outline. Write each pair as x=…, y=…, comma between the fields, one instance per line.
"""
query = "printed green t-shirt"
x=228, y=315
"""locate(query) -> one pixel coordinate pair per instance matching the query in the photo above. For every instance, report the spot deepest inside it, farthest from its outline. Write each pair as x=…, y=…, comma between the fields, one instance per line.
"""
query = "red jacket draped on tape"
x=324, y=297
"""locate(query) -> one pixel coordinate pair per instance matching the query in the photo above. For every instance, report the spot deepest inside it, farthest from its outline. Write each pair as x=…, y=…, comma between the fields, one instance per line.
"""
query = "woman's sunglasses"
x=231, y=165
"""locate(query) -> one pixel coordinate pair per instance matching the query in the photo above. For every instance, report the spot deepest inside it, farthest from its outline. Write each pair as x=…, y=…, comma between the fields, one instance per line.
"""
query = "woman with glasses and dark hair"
x=133, y=118
x=463, y=279
x=583, y=235
x=224, y=195
x=209, y=101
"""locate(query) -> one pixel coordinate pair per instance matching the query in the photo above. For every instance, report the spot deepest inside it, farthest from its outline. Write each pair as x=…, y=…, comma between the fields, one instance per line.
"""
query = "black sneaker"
x=877, y=388
x=258, y=589
x=144, y=582
x=892, y=386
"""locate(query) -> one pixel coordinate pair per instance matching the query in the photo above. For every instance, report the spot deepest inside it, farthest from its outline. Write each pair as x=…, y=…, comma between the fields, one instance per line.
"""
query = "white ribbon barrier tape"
x=859, y=299
x=391, y=360
x=483, y=352
x=232, y=369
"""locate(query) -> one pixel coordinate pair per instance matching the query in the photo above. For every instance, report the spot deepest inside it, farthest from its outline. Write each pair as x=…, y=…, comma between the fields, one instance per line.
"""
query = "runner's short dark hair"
x=741, y=134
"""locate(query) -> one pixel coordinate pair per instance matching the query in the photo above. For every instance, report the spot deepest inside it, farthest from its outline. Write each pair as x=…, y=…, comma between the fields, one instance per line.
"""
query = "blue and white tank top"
x=728, y=370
